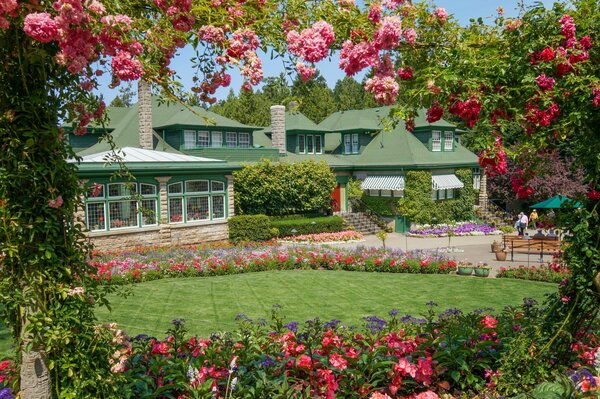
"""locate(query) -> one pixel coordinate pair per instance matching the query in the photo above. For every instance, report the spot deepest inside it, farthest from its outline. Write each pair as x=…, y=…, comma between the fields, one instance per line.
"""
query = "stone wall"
x=278, y=128
x=188, y=234
x=145, y=115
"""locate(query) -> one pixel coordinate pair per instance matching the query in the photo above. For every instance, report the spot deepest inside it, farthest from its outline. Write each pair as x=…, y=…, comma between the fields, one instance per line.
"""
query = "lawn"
x=211, y=304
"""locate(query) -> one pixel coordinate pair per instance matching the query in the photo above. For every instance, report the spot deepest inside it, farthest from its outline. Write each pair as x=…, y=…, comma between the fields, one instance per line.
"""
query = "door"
x=335, y=199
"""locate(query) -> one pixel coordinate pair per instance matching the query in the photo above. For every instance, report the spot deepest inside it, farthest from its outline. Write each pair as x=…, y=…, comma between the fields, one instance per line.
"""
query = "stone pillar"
x=164, y=233
x=230, y=196
x=145, y=115
x=483, y=196
x=278, y=128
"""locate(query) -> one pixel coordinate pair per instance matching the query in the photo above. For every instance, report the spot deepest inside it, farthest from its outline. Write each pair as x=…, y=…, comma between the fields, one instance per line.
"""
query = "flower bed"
x=321, y=238
x=552, y=273
x=459, y=229
x=188, y=262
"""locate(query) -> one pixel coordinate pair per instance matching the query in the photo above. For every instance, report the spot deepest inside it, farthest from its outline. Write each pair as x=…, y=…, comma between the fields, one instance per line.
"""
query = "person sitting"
x=551, y=233
x=539, y=234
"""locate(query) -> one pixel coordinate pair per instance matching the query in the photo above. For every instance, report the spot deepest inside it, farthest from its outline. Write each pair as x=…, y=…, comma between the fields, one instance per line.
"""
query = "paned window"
x=448, y=141
x=476, y=178
x=310, y=148
x=436, y=141
x=216, y=139
x=442, y=194
x=203, y=139
x=231, y=140
x=318, y=145
x=301, y=147
x=189, y=139
x=196, y=200
x=347, y=144
x=244, y=140
x=355, y=143
x=122, y=207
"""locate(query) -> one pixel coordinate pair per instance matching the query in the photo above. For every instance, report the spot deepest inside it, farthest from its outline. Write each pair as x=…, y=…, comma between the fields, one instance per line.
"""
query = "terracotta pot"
x=501, y=256
x=496, y=247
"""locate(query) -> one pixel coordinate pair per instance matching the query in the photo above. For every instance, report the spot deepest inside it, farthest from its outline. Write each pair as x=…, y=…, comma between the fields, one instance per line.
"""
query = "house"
x=183, y=159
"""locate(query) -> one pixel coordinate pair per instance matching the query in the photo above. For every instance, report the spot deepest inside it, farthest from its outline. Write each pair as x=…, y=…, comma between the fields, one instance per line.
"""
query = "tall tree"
x=350, y=94
x=125, y=96
x=315, y=98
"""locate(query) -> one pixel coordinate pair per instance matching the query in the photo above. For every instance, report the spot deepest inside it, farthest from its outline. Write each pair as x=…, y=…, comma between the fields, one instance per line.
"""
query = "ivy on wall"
x=418, y=206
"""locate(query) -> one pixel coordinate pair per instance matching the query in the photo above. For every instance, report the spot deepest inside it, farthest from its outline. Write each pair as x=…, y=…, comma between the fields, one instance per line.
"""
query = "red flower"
x=435, y=113
x=304, y=362
x=489, y=322
x=337, y=361
x=546, y=55
x=593, y=195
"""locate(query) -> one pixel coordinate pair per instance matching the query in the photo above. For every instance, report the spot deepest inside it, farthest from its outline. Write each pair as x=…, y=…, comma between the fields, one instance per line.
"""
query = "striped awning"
x=393, y=183
x=445, y=182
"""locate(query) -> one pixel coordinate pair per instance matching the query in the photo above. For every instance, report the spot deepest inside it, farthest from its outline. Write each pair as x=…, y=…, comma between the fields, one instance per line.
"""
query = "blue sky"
x=463, y=10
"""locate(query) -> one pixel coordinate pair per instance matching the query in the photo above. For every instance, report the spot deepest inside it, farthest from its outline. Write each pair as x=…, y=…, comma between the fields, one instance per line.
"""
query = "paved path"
x=472, y=249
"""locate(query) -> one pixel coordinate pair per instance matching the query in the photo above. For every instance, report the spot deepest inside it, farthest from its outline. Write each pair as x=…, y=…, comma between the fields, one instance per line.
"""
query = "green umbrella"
x=555, y=203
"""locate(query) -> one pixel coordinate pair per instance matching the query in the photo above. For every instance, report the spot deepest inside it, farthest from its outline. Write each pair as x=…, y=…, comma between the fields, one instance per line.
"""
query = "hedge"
x=330, y=224
x=250, y=228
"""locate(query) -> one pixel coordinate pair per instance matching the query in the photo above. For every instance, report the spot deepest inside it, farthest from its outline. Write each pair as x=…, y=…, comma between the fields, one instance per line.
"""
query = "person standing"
x=533, y=217
x=523, y=222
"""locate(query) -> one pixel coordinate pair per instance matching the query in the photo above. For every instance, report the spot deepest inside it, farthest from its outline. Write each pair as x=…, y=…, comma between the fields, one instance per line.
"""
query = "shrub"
x=330, y=224
x=249, y=228
x=553, y=273
x=283, y=188
x=380, y=205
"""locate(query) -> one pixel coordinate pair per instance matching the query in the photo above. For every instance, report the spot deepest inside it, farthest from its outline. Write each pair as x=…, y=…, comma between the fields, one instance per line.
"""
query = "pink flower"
x=567, y=26
x=55, y=203
x=306, y=72
x=338, y=361
x=489, y=322
x=512, y=24
x=312, y=44
x=304, y=362
x=385, y=89
x=565, y=299
x=410, y=35
x=379, y=395
x=41, y=27
x=355, y=58
x=211, y=34
x=125, y=67
x=544, y=82
x=427, y=395
x=346, y=3
x=161, y=348
x=388, y=35
x=441, y=14
x=375, y=12
x=405, y=73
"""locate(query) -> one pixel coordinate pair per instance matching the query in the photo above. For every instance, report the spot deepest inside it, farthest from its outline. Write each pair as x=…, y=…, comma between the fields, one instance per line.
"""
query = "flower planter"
x=501, y=256
x=496, y=247
x=482, y=271
x=464, y=271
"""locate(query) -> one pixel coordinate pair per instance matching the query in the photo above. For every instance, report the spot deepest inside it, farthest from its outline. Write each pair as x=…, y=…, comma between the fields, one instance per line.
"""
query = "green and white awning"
x=394, y=183
x=446, y=182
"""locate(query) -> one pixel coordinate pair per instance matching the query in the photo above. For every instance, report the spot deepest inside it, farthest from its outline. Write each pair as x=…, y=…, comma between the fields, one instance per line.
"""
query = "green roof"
x=370, y=119
x=297, y=122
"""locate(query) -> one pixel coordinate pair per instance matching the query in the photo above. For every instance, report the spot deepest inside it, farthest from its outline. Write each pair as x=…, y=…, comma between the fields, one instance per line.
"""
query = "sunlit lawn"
x=211, y=304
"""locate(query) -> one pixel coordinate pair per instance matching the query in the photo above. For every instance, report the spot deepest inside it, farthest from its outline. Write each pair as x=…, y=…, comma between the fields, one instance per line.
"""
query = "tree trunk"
x=35, y=376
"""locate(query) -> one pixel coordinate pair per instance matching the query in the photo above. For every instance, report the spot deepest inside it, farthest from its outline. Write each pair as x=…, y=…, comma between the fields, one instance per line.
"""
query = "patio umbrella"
x=555, y=203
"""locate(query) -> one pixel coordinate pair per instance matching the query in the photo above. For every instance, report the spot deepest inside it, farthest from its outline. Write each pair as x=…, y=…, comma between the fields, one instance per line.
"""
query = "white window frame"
x=203, y=139
x=179, y=191
x=190, y=139
x=310, y=144
x=355, y=143
x=244, y=140
x=216, y=139
x=347, y=144
x=436, y=141
x=301, y=144
x=231, y=139
x=448, y=141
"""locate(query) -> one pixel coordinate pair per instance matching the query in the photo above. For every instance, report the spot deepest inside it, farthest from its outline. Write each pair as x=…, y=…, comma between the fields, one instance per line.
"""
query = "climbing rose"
x=427, y=395
x=441, y=14
x=305, y=72
x=375, y=12
x=544, y=82
x=125, y=67
x=379, y=395
x=567, y=27
x=385, y=89
x=546, y=55
x=312, y=44
x=593, y=195
x=410, y=35
x=388, y=35
x=596, y=95
x=435, y=113
x=41, y=27
x=55, y=203
x=405, y=73
x=355, y=58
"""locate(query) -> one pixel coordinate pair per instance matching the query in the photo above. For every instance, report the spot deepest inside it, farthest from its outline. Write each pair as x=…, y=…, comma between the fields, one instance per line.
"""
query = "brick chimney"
x=145, y=115
x=278, y=128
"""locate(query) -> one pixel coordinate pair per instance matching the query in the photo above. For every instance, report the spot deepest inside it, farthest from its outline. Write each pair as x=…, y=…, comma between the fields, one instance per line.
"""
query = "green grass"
x=211, y=304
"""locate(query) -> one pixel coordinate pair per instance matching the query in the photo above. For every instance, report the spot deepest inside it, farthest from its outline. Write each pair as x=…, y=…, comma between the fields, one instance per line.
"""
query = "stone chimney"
x=145, y=115
x=278, y=128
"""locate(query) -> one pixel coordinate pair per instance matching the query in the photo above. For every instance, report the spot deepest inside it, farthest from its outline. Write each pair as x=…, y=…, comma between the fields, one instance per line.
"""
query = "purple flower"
x=292, y=326
x=6, y=393
x=374, y=324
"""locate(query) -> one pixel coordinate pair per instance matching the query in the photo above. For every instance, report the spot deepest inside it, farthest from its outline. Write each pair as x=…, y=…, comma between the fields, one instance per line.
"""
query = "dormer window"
x=351, y=143
x=436, y=141
x=310, y=144
x=448, y=141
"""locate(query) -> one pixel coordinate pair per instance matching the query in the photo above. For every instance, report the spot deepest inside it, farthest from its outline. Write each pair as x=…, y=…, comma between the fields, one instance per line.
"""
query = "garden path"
x=472, y=249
